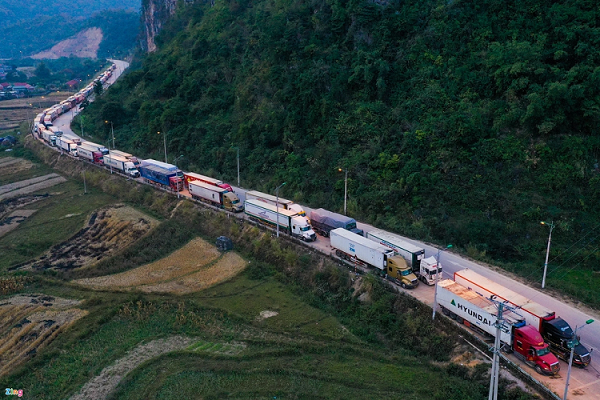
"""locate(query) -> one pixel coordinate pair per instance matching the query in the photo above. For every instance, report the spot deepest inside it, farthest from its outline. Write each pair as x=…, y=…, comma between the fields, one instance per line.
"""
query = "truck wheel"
x=539, y=370
x=403, y=285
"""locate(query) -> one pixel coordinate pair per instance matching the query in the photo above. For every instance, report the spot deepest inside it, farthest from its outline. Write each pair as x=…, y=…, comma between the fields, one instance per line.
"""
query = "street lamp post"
x=345, y=187
x=437, y=278
x=572, y=345
x=551, y=224
x=238, y=165
x=112, y=132
x=277, y=204
x=165, y=141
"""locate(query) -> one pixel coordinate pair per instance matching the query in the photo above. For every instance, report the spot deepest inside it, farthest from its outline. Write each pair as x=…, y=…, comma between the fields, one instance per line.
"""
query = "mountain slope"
x=465, y=123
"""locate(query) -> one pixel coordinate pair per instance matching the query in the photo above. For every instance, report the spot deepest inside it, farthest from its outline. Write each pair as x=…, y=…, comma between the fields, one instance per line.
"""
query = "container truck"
x=480, y=314
x=89, y=153
x=426, y=269
x=161, y=177
x=165, y=166
x=56, y=130
x=191, y=177
x=555, y=330
x=324, y=221
x=49, y=137
x=72, y=137
x=96, y=146
x=47, y=121
x=67, y=145
x=268, y=198
x=129, y=157
x=122, y=164
x=289, y=221
x=215, y=195
x=362, y=251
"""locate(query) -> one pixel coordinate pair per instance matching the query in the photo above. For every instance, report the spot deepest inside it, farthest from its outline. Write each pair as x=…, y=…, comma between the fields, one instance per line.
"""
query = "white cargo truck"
x=128, y=156
x=289, y=221
x=56, y=130
x=273, y=200
x=96, y=147
x=215, y=195
x=67, y=145
x=426, y=269
x=49, y=137
x=76, y=139
x=121, y=164
x=362, y=251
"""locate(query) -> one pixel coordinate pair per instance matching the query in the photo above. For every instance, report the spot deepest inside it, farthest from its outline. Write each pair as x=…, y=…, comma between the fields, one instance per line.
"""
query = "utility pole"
x=551, y=224
x=84, y=185
x=494, y=375
x=277, y=203
x=438, y=267
x=238, y=165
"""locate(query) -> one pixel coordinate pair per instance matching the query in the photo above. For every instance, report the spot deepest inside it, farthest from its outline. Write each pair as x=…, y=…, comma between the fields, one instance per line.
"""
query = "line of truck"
x=532, y=332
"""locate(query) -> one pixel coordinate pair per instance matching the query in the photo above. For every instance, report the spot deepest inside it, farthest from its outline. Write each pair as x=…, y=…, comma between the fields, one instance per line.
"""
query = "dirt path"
x=30, y=188
x=21, y=184
x=102, y=385
x=13, y=220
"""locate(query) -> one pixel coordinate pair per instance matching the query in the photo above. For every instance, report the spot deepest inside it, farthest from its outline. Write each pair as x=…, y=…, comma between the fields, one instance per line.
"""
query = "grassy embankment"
x=324, y=342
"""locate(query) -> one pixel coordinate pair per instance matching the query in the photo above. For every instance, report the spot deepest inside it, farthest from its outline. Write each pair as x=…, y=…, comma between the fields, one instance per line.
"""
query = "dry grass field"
x=196, y=266
x=29, y=322
x=106, y=232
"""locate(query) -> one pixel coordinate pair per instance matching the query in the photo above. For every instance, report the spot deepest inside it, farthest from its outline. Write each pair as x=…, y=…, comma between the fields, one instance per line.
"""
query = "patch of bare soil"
x=11, y=165
x=191, y=257
x=27, y=186
x=196, y=266
x=7, y=206
x=266, y=314
x=106, y=232
x=102, y=385
x=29, y=322
x=13, y=220
x=84, y=44
x=228, y=266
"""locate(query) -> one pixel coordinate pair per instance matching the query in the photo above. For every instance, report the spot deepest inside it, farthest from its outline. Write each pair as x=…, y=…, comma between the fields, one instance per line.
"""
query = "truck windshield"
x=305, y=228
x=235, y=201
x=351, y=226
x=572, y=343
x=542, y=352
x=406, y=272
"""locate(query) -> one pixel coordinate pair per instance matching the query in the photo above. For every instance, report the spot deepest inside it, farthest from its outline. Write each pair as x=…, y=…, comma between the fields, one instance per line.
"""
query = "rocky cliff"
x=155, y=13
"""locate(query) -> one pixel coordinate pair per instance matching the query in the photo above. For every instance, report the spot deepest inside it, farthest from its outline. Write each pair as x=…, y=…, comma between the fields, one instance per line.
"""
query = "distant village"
x=15, y=90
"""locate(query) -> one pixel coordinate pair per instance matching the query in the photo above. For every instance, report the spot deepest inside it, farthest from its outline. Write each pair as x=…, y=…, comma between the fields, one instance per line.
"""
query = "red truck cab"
x=529, y=346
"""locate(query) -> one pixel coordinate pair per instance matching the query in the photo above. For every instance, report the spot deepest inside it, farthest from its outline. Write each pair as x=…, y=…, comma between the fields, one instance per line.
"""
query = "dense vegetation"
x=462, y=122
x=29, y=36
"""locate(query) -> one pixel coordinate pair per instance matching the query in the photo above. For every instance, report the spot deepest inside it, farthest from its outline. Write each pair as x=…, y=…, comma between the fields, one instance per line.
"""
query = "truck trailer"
x=555, y=330
x=270, y=199
x=49, y=137
x=76, y=139
x=324, y=221
x=362, y=251
x=426, y=269
x=192, y=176
x=161, y=177
x=129, y=157
x=215, y=195
x=96, y=147
x=289, y=221
x=122, y=164
x=90, y=154
x=480, y=314
x=164, y=166
x=67, y=145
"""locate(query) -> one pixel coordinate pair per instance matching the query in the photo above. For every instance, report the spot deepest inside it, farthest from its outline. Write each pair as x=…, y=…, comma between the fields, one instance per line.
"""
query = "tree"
x=42, y=72
x=98, y=89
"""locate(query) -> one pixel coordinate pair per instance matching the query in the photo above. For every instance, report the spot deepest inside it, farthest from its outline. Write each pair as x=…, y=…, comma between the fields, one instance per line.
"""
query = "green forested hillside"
x=463, y=122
